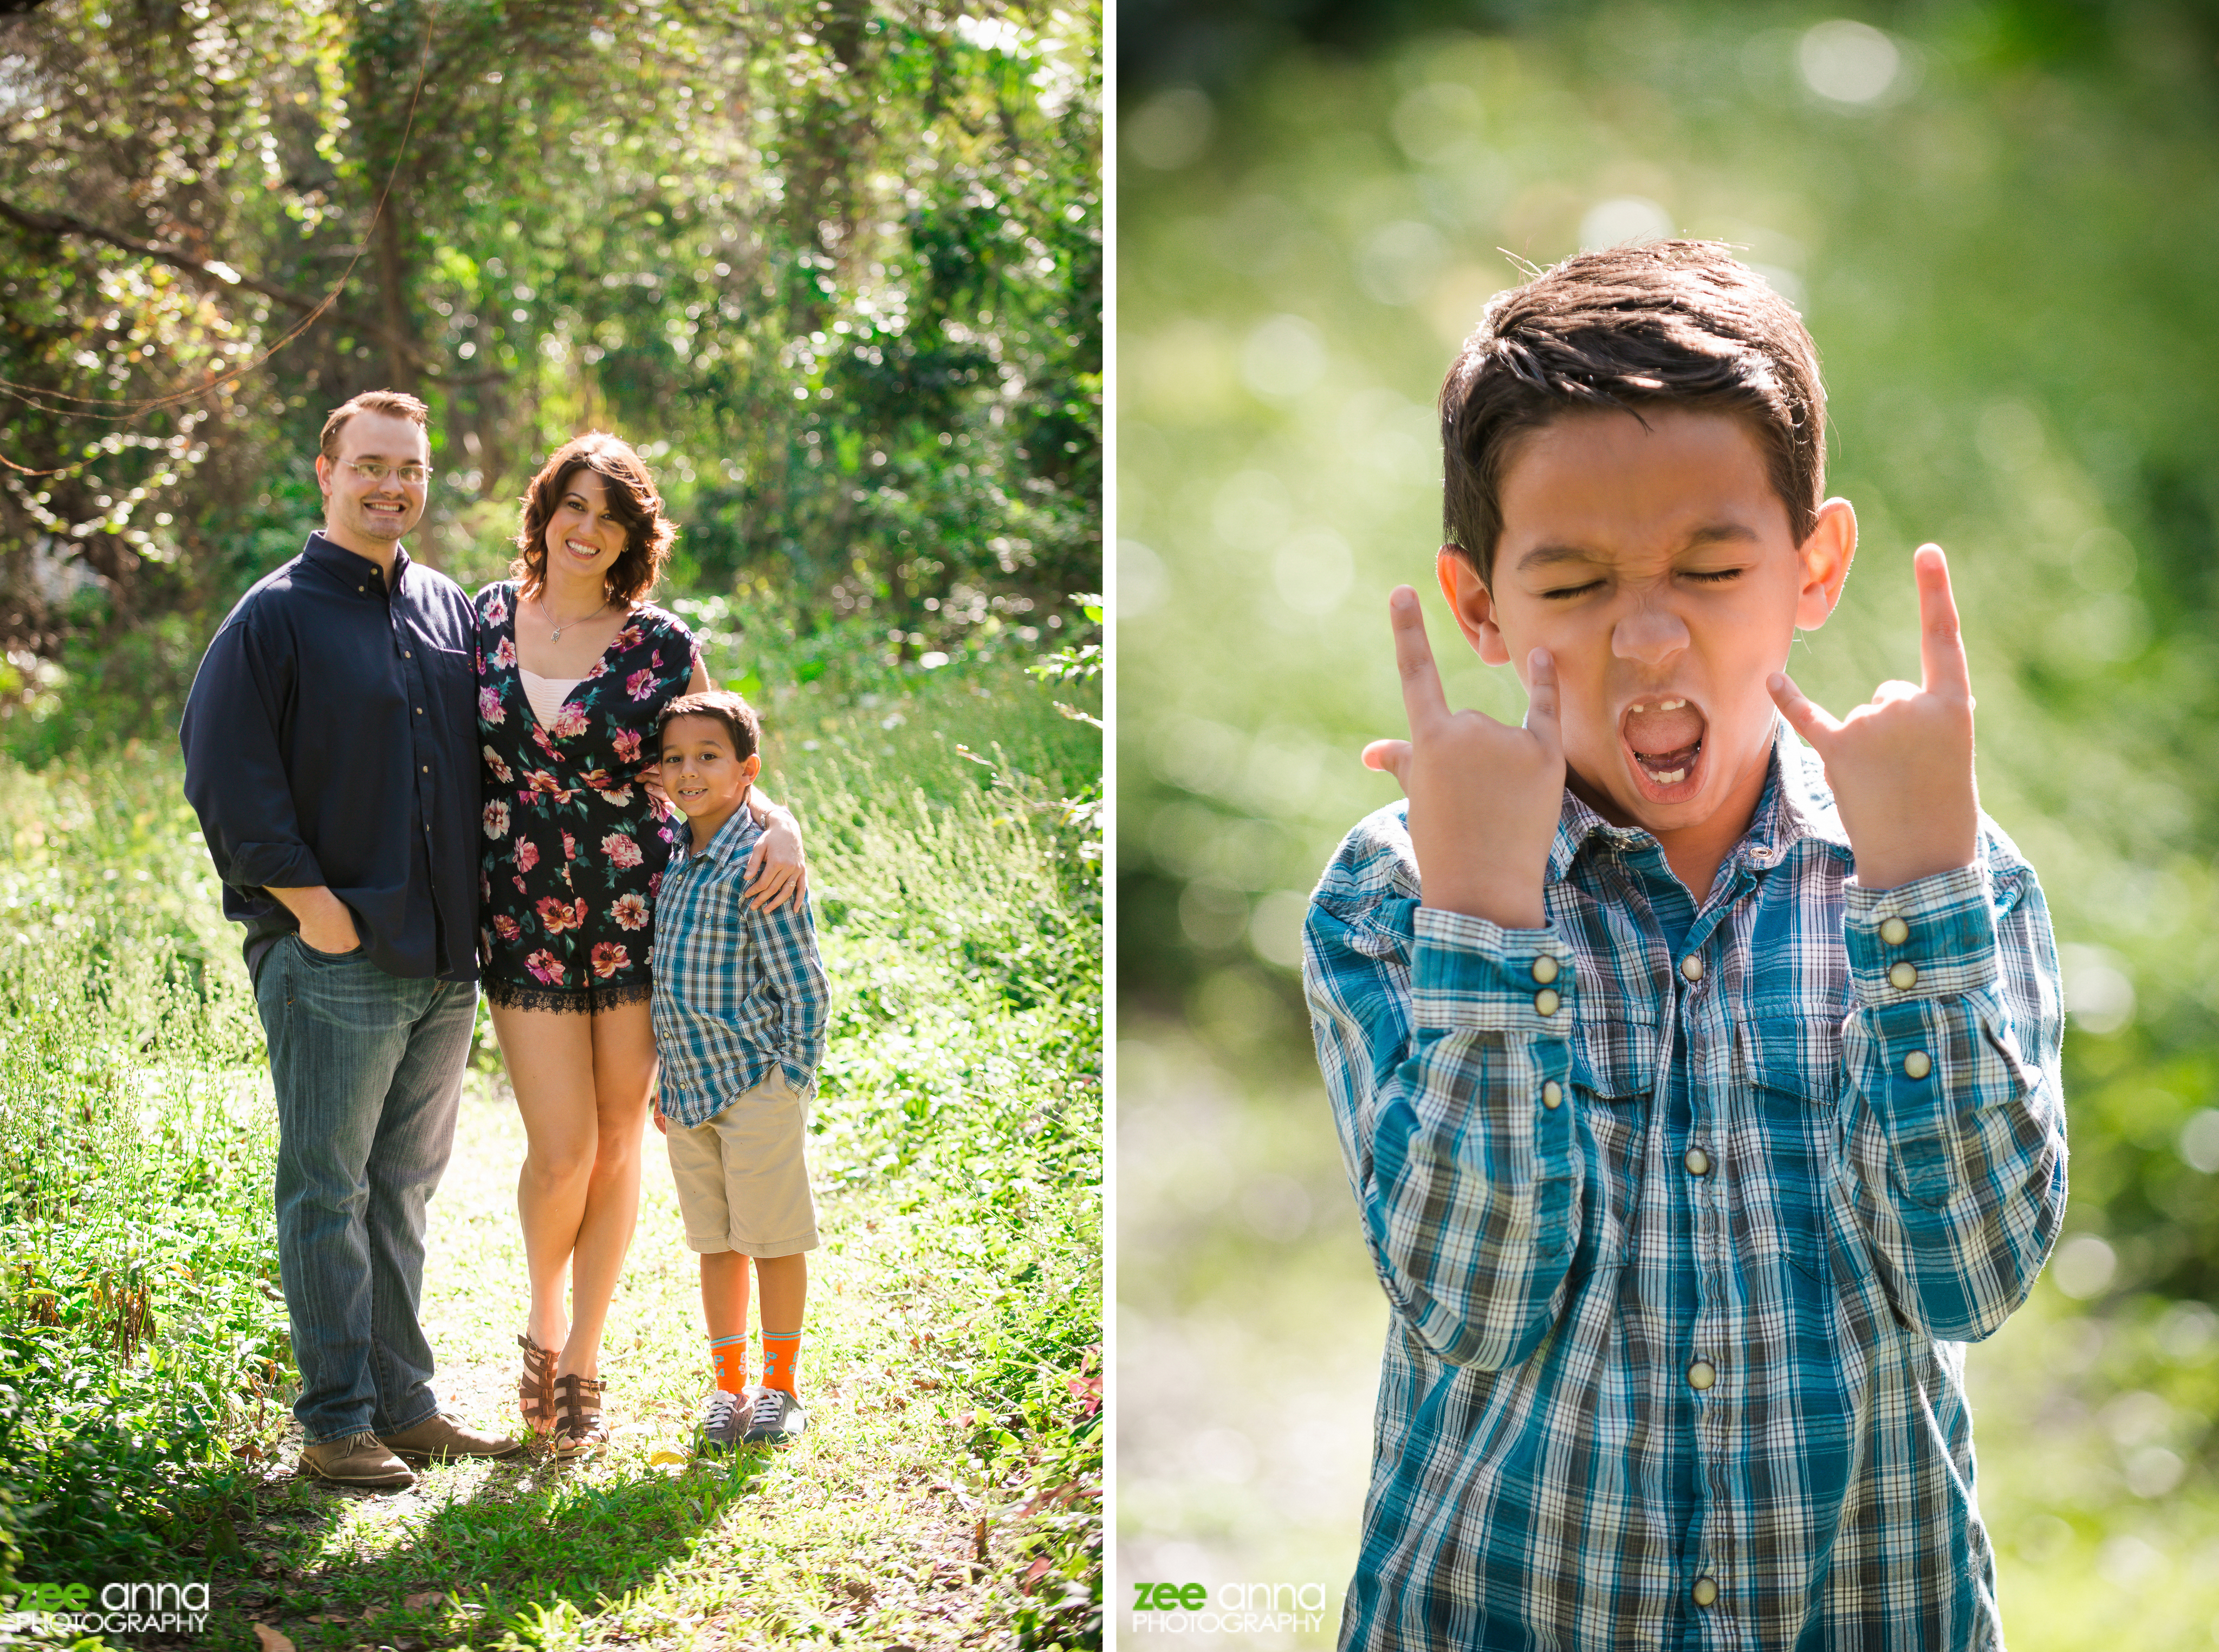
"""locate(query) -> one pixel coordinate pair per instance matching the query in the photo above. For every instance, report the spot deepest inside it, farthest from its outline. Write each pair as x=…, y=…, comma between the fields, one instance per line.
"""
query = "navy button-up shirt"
x=331, y=737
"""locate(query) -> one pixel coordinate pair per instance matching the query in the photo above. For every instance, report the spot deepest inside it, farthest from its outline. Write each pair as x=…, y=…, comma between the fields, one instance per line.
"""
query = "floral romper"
x=575, y=847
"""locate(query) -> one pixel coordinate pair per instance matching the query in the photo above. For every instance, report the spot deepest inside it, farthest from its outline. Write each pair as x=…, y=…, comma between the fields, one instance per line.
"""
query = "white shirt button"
x=1705, y=1592
x=1917, y=1065
x=1894, y=931
x=1545, y=970
x=1697, y=1161
x=1692, y=967
x=1545, y=1001
x=1902, y=976
x=1553, y=1094
x=1701, y=1374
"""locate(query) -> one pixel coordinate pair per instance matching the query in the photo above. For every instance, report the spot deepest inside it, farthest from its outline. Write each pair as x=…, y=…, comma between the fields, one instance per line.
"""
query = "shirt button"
x=1705, y=1592
x=1902, y=976
x=1701, y=1374
x=1697, y=1161
x=1692, y=967
x=427, y=768
x=1917, y=1065
x=1545, y=970
x=1552, y=1093
x=1894, y=931
x=420, y=712
x=1545, y=1001
x=406, y=654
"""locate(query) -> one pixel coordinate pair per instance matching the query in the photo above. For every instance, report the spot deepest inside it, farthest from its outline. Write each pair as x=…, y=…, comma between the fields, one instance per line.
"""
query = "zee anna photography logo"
x=114, y=1609
x=1232, y=1609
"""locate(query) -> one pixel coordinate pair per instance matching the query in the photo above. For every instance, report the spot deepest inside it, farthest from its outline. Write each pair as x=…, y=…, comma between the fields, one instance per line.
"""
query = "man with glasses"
x=332, y=753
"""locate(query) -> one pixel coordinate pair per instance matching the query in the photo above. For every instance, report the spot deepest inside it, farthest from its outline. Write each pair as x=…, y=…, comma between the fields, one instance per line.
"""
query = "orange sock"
x=781, y=1361
x=730, y=1355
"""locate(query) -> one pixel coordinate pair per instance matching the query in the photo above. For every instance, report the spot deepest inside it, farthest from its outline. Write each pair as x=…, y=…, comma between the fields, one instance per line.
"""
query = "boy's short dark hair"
x=738, y=718
x=1680, y=324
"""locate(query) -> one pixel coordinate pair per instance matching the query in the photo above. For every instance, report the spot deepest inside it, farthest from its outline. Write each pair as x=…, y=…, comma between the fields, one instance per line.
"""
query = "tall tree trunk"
x=392, y=287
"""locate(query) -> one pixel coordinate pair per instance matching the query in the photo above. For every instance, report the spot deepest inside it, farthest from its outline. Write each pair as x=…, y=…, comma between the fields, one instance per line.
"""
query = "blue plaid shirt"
x=737, y=992
x=1682, y=1246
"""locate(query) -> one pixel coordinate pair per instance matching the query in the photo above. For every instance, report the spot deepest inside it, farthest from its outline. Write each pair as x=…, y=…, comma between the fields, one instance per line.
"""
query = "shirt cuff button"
x=1894, y=931
x=1917, y=1065
x=1545, y=970
x=1546, y=1002
x=1902, y=976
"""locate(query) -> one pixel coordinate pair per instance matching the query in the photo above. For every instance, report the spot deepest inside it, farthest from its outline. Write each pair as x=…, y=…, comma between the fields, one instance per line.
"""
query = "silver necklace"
x=556, y=635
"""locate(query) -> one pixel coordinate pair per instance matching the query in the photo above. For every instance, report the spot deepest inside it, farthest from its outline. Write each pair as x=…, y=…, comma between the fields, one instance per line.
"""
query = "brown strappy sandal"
x=535, y=1390
x=578, y=1426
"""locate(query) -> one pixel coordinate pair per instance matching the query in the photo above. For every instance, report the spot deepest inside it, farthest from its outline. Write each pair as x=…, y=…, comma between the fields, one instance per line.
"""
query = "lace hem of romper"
x=582, y=1001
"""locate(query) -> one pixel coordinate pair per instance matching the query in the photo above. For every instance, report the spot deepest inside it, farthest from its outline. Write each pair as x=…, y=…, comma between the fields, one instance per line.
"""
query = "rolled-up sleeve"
x=1444, y=1042
x=235, y=775
x=1955, y=1121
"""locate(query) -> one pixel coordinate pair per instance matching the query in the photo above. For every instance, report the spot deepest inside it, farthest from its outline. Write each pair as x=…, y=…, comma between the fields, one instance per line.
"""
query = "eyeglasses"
x=413, y=476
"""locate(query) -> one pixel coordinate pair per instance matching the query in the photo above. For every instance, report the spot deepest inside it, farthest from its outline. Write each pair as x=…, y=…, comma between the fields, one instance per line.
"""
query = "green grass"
x=950, y=1487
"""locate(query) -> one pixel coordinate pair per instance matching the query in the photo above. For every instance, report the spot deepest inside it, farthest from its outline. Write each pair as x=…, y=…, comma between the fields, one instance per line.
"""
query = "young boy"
x=740, y=1011
x=1699, y=1087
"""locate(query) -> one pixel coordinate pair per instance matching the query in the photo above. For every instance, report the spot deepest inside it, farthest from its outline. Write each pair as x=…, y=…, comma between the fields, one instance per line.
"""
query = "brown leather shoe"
x=443, y=1435
x=357, y=1460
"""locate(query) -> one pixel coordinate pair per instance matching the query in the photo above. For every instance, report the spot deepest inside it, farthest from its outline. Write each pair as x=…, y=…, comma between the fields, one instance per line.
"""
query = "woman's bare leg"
x=550, y=1057
x=622, y=1079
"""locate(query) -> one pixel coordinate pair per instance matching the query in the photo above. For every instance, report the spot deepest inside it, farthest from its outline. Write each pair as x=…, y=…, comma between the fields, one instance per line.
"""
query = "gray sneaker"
x=777, y=1419
x=724, y=1415
x=357, y=1460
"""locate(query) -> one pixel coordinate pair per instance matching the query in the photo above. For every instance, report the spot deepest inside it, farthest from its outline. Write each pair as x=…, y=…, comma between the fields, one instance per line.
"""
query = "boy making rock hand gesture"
x=1699, y=1087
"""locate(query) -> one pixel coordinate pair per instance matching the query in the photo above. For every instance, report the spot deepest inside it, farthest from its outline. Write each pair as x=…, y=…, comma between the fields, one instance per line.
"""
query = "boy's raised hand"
x=1901, y=767
x=1484, y=796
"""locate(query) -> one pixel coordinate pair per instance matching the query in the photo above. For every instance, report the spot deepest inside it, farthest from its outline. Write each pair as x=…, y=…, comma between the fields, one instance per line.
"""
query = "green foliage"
x=836, y=268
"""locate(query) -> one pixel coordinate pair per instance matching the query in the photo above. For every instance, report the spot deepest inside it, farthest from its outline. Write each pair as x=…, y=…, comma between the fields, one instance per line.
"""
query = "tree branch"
x=61, y=223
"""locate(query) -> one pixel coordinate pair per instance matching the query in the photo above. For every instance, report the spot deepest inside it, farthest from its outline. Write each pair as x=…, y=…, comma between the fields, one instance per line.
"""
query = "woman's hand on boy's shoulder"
x=777, y=871
x=1484, y=796
x=1901, y=764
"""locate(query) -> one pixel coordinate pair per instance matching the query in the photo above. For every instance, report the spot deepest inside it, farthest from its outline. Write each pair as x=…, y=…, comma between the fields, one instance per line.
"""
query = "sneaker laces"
x=770, y=1409
x=717, y=1410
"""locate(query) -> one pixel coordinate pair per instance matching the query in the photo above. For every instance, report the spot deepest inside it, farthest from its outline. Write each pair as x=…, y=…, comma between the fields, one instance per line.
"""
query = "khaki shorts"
x=743, y=1183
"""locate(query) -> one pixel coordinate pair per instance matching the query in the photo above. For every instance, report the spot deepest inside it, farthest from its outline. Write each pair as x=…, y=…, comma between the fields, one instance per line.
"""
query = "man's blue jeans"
x=368, y=1072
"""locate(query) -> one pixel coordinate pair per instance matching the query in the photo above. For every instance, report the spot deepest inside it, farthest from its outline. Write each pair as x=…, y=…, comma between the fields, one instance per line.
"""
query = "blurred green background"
x=2001, y=223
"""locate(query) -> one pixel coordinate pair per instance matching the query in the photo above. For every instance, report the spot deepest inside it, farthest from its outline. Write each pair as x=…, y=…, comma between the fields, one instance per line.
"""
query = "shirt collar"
x=338, y=560
x=1797, y=805
x=733, y=839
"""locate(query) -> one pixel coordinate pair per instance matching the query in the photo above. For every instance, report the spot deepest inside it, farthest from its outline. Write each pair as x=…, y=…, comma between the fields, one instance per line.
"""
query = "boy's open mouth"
x=1664, y=738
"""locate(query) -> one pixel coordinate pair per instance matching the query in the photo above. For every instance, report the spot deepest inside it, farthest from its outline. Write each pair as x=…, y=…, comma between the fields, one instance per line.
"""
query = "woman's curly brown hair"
x=632, y=497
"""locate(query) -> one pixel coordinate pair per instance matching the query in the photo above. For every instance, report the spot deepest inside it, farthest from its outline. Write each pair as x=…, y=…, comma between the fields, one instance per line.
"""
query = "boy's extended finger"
x=1940, y=642
x=1389, y=757
x=1422, y=696
x=1543, y=709
x=1812, y=721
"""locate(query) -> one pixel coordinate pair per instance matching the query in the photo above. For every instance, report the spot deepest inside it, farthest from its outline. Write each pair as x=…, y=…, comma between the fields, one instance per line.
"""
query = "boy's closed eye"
x=1713, y=576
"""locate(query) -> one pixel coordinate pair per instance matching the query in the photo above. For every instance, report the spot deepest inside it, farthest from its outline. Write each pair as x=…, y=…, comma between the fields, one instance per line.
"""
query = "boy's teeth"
x=1670, y=704
x=1672, y=778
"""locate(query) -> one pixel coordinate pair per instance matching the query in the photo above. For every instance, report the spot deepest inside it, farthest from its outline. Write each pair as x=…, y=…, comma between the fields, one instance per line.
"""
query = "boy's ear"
x=1826, y=555
x=1472, y=604
x=751, y=767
